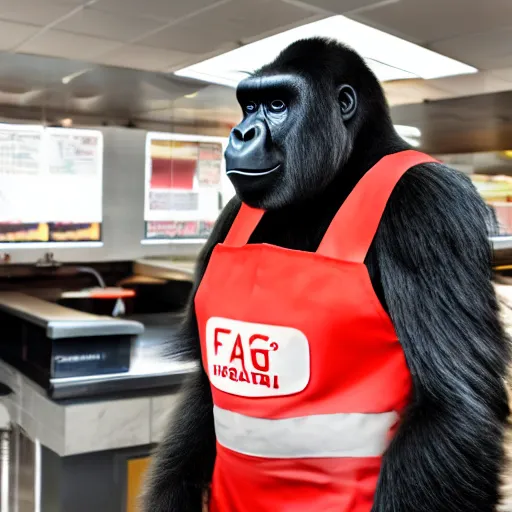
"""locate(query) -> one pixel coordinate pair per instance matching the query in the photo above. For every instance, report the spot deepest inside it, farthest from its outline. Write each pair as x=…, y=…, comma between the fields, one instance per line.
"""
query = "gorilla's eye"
x=250, y=107
x=277, y=106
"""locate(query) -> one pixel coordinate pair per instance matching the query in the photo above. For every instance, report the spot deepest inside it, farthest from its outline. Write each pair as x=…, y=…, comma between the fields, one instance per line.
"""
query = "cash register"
x=74, y=354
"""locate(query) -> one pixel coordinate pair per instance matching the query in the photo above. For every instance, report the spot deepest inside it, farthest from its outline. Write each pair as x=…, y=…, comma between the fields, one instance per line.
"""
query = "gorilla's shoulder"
x=435, y=199
x=436, y=187
x=234, y=204
x=228, y=214
x=440, y=180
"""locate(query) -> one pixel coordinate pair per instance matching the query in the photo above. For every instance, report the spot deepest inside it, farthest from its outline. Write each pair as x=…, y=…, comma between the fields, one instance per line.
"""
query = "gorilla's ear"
x=348, y=101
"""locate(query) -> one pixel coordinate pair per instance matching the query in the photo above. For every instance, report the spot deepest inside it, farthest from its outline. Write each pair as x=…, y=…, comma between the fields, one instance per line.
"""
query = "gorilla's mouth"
x=254, y=172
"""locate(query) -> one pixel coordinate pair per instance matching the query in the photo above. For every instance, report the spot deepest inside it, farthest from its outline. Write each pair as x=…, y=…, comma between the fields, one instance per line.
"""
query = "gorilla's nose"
x=248, y=135
x=248, y=148
x=245, y=134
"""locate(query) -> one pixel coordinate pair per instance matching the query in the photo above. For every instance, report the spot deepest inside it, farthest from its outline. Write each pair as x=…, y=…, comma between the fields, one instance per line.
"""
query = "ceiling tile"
x=431, y=20
x=117, y=27
x=503, y=73
x=12, y=34
x=344, y=6
x=70, y=46
x=230, y=22
x=140, y=57
x=185, y=38
x=157, y=9
x=34, y=12
x=488, y=50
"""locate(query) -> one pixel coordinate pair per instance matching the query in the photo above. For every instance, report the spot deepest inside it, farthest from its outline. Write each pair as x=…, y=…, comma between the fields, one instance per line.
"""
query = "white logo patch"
x=256, y=360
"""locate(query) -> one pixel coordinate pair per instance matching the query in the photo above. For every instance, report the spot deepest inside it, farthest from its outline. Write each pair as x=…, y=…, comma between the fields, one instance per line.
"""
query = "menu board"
x=185, y=187
x=50, y=184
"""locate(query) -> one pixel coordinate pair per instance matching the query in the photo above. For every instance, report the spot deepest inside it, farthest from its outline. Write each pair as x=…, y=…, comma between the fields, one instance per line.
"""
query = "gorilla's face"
x=292, y=140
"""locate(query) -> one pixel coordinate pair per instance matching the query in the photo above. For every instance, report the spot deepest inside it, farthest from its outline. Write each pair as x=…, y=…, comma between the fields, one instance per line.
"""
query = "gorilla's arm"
x=183, y=463
x=434, y=261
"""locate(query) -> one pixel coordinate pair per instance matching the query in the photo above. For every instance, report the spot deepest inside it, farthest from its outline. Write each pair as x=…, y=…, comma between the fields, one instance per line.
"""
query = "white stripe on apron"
x=322, y=435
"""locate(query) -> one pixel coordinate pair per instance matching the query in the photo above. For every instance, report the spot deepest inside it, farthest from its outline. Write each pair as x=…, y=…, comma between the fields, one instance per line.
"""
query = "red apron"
x=308, y=376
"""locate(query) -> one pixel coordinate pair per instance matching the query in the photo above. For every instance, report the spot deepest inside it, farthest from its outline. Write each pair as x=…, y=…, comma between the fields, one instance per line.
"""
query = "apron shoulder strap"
x=353, y=228
x=243, y=226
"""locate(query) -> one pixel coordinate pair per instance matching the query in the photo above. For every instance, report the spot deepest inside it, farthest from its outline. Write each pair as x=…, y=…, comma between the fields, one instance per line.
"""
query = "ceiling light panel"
x=390, y=57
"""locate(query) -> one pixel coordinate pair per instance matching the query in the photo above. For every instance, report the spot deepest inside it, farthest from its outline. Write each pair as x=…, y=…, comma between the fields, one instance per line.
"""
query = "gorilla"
x=315, y=122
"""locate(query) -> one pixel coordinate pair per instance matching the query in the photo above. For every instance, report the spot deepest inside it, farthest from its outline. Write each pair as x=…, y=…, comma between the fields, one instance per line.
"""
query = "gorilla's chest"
x=302, y=229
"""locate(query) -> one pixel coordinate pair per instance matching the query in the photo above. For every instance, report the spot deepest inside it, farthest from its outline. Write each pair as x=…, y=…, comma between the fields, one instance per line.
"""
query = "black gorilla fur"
x=430, y=264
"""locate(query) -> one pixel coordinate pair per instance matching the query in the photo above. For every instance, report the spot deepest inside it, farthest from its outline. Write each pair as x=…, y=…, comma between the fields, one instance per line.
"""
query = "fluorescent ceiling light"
x=69, y=78
x=407, y=131
x=413, y=142
x=410, y=134
x=390, y=57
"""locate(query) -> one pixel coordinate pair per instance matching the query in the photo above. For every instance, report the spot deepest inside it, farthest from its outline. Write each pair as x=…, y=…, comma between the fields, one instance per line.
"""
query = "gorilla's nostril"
x=238, y=134
x=249, y=134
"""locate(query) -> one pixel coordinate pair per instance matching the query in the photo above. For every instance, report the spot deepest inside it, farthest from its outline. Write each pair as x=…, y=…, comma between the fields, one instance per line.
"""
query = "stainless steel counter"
x=151, y=368
x=84, y=427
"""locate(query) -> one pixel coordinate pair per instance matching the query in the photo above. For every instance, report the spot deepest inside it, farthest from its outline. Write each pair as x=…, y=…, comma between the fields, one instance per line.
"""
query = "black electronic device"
x=47, y=341
x=73, y=354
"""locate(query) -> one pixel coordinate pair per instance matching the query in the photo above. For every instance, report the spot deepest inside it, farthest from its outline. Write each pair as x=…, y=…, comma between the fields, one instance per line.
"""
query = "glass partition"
x=497, y=192
x=491, y=173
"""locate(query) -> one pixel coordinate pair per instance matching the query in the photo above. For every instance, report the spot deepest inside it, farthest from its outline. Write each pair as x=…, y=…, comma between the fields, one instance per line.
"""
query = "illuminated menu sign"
x=185, y=185
x=50, y=184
